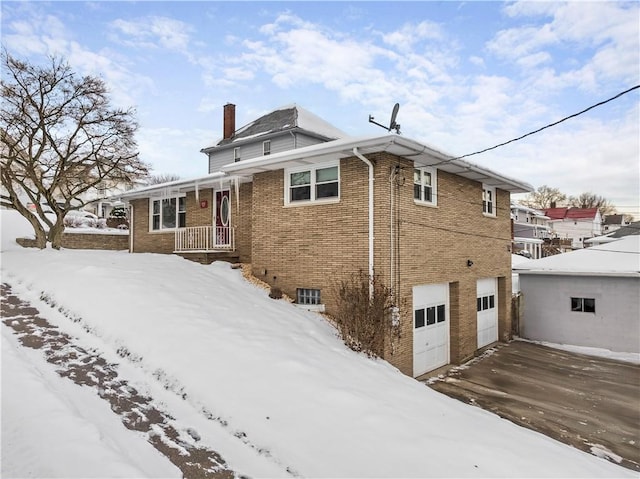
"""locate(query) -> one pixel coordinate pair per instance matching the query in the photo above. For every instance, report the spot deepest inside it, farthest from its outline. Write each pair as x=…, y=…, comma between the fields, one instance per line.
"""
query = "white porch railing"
x=204, y=238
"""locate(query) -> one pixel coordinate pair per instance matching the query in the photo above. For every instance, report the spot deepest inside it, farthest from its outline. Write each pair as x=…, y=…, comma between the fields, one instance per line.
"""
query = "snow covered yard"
x=268, y=386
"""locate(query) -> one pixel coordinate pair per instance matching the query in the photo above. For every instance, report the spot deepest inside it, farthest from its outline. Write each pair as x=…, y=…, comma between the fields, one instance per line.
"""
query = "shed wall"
x=547, y=314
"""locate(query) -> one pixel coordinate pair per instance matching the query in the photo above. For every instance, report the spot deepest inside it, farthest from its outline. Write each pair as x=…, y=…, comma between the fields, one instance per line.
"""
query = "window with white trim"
x=488, y=200
x=266, y=147
x=312, y=184
x=168, y=213
x=583, y=305
x=308, y=296
x=236, y=153
x=425, y=185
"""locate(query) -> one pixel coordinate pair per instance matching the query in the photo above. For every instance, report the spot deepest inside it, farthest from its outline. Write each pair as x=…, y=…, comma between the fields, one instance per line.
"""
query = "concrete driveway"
x=588, y=402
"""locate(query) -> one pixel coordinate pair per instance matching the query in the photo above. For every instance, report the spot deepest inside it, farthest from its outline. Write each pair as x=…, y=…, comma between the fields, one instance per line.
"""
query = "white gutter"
x=371, y=271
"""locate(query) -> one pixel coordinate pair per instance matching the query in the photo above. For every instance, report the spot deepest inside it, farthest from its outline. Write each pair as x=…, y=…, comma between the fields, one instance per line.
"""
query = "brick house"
x=435, y=230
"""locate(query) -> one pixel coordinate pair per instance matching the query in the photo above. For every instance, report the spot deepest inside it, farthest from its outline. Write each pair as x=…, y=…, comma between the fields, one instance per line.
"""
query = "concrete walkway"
x=590, y=403
x=86, y=368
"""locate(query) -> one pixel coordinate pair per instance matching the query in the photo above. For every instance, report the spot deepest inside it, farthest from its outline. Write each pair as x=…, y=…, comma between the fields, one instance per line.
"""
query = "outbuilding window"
x=583, y=305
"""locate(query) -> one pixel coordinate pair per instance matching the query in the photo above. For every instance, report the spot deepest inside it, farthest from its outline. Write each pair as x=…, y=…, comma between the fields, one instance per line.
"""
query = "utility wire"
x=543, y=128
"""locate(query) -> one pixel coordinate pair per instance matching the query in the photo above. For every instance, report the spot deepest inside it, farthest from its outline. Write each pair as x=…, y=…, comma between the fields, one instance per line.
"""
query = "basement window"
x=583, y=305
x=307, y=296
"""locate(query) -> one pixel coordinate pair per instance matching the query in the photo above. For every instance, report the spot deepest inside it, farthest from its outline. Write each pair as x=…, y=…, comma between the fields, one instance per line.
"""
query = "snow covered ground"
x=267, y=385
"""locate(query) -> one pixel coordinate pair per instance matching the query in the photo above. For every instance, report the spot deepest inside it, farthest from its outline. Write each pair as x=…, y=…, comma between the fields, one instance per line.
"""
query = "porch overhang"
x=421, y=154
x=214, y=180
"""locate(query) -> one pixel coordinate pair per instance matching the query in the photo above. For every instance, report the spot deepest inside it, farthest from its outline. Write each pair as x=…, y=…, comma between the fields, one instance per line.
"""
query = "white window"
x=425, y=185
x=583, y=305
x=488, y=200
x=308, y=296
x=168, y=213
x=236, y=153
x=266, y=147
x=312, y=184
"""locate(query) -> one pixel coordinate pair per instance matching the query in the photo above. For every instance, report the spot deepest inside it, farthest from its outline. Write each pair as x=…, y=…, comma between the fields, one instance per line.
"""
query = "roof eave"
x=423, y=155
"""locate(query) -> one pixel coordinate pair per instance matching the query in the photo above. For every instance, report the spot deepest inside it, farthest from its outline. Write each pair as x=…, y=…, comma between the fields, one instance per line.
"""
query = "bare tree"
x=591, y=200
x=60, y=136
x=161, y=178
x=544, y=197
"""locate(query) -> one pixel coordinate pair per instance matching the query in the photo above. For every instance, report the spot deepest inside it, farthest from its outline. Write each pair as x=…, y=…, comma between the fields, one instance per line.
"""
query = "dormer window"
x=236, y=153
x=266, y=147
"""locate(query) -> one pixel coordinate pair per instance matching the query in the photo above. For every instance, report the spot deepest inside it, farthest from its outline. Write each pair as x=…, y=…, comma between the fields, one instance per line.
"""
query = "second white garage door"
x=487, y=308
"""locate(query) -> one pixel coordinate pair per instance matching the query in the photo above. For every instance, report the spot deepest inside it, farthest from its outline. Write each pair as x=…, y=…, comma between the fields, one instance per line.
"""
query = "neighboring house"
x=577, y=224
x=627, y=230
x=530, y=229
x=436, y=230
x=613, y=222
x=589, y=297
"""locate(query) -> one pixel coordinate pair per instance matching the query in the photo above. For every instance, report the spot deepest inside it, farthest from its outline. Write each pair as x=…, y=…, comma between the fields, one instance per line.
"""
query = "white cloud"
x=605, y=33
x=153, y=32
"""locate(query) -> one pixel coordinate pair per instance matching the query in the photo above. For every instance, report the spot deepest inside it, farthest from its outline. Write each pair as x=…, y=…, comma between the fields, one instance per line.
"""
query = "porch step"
x=208, y=258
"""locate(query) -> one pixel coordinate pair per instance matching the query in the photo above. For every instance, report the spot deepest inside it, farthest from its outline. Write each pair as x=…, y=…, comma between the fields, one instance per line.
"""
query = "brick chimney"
x=229, y=121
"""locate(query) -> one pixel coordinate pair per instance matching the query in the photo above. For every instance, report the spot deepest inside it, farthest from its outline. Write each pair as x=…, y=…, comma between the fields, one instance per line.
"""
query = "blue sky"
x=467, y=75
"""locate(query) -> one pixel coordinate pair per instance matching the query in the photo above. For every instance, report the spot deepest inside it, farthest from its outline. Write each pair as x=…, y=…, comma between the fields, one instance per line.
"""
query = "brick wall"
x=146, y=241
x=314, y=246
x=115, y=242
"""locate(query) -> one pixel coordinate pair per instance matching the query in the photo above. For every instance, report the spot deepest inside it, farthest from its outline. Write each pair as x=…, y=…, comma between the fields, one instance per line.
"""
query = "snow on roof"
x=616, y=258
x=281, y=119
x=527, y=209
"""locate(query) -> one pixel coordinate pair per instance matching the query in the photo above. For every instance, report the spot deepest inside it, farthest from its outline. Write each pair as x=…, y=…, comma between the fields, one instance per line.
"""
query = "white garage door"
x=487, y=307
x=430, y=327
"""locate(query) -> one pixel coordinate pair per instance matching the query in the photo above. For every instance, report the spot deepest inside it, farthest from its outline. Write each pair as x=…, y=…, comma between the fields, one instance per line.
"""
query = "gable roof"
x=617, y=258
x=572, y=213
x=631, y=229
x=613, y=220
x=421, y=154
x=283, y=119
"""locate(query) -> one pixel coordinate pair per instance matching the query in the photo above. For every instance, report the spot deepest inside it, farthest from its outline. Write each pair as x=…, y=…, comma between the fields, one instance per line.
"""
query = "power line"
x=543, y=128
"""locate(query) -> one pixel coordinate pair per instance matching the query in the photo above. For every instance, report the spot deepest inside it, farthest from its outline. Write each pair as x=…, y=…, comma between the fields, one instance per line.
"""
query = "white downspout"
x=131, y=230
x=370, y=165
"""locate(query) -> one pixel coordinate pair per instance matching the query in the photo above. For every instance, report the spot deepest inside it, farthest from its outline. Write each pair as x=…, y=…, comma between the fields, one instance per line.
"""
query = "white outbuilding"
x=589, y=297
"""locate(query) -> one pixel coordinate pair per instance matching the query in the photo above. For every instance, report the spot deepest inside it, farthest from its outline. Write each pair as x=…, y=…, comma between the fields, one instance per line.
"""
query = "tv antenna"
x=392, y=124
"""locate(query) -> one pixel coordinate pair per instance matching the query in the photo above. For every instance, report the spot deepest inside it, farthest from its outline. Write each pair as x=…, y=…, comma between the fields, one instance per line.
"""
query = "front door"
x=222, y=233
x=430, y=327
x=487, y=310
